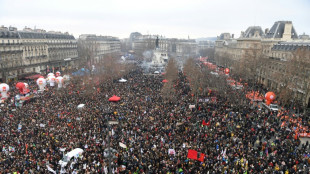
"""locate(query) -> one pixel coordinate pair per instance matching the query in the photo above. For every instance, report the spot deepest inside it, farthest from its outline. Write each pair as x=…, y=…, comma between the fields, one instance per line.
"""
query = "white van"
x=271, y=107
x=67, y=157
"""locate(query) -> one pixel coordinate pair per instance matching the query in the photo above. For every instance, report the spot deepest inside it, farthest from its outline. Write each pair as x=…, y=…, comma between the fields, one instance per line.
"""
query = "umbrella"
x=114, y=98
x=122, y=80
x=165, y=81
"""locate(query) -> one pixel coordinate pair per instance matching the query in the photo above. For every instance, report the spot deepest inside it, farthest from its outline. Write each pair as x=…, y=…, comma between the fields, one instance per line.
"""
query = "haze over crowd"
x=172, y=18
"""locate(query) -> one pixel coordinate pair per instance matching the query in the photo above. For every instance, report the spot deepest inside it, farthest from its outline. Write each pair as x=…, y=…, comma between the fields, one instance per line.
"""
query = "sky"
x=169, y=18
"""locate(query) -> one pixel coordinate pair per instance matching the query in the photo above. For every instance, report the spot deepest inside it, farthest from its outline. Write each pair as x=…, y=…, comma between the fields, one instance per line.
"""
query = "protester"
x=235, y=140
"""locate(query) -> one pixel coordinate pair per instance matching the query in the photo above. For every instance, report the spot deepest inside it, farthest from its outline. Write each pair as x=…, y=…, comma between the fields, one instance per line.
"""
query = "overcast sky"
x=170, y=18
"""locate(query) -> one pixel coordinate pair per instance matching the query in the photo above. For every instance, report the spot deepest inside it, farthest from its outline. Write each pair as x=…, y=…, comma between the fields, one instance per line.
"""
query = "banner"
x=122, y=145
x=192, y=154
x=171, y=152
x=50, y=169
x=191, y=106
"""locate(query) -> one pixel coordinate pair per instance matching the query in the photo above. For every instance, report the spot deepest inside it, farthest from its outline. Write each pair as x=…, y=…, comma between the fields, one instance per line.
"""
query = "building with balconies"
x=98, y=47
x=34, y=51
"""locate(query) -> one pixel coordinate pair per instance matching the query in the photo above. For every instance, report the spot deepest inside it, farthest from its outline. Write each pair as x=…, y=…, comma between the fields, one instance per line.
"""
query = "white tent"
x=122, y=80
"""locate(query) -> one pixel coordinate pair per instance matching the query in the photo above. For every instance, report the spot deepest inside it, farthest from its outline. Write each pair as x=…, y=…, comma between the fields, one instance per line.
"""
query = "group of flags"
x=206, y=124
x=193, y=154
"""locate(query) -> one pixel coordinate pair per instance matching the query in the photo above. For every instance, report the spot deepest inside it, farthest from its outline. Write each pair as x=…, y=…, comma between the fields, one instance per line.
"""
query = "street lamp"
x=109, y=123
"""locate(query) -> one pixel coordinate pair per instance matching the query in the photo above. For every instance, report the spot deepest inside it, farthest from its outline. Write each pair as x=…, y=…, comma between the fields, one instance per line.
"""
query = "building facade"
x=98, y=47
x=274, y=52
x=230, y=51
x=174, y=47
x=35, y=51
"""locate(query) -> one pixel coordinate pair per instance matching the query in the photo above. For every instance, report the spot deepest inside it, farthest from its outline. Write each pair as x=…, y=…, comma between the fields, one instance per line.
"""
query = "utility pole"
x=109, y=147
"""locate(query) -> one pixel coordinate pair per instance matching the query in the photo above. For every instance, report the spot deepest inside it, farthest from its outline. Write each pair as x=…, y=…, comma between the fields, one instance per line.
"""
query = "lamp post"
x=109, y=123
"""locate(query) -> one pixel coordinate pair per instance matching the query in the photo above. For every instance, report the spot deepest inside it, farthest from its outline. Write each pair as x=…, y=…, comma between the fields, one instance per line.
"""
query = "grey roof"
x=290, y=46
x=30, y=35
x=250, y=32
x=134, y=35
x=224, y=36
x=277, y=30
x=8, y=34
x=33, y=35
x=101, y=38
x=58, y=36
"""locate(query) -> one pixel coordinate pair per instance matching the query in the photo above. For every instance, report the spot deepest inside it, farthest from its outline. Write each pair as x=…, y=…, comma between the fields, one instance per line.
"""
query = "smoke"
x=147, y=55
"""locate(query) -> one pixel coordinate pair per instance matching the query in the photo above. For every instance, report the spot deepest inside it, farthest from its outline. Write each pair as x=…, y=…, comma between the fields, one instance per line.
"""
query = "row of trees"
x=286, y=77
x=199, y=80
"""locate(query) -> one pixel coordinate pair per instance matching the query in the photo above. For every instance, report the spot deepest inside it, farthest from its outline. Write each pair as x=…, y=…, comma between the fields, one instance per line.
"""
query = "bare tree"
x=293, y=77
x=87, y=49
x=207, y=52
x=171, y=70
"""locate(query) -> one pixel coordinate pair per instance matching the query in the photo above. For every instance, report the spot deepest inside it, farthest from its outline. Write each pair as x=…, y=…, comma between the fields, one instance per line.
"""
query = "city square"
x=154, y=104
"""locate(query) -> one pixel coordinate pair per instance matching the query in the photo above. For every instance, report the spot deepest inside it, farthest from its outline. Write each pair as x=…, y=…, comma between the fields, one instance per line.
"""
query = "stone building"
x=274, y=51
x=230, y=51
x=288, y=66
x=99, y=47
x=174, y=47
x=35, y=51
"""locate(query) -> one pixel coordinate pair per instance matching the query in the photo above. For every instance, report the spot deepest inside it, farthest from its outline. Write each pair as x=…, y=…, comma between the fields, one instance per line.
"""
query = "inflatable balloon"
x=59, y=81
x=20, y=86
x=226, y=71
x=58, y=73
x=26, y=89
x=269, y=96
x=4, y=88
x=51, y=80
x=41, y=82
x=50, y=74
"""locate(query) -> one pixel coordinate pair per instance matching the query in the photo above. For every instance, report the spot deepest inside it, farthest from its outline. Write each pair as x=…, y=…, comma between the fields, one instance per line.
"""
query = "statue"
x=157, y=42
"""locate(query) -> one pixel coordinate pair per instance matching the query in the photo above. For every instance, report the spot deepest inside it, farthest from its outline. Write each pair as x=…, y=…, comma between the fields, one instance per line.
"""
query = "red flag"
x=26, y=148
x=192, y=154
x=206, y=124
x=283, y=124
x=202, y=157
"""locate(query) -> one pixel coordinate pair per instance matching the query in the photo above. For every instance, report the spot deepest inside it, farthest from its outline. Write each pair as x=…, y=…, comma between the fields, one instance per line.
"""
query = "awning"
x=36, y=76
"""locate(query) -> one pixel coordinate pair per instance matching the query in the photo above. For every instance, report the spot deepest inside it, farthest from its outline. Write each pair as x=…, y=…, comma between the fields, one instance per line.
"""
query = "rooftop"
x=290, y=46
x=28, y=33
x=277, y=30
x=253, y=32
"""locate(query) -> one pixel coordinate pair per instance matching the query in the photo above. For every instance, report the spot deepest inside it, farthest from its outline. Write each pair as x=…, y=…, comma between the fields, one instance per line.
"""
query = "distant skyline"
x=169, y=18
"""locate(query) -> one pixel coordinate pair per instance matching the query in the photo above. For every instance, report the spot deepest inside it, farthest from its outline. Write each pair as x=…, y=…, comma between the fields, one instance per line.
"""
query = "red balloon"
x=226, y=71
x=270, y=96
x=20, y=86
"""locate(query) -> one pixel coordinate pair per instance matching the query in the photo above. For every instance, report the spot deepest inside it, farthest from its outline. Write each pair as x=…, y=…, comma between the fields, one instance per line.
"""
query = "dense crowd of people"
x=235, y=140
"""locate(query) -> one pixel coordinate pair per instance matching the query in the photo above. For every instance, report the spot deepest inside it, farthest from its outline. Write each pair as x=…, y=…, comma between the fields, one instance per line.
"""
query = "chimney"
x=242, y=34
x=266, y=30
x=3, y=28
x=12, y=28
x=287, y=34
